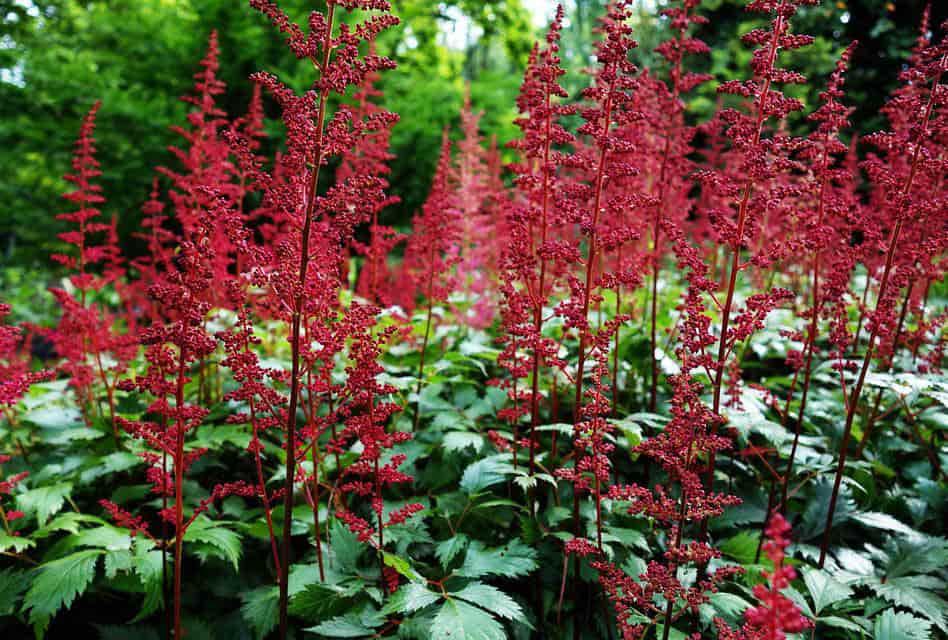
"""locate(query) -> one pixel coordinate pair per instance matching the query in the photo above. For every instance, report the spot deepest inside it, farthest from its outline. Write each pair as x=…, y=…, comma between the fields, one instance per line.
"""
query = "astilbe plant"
x=85, y=337
x=476, y=246
x=592, y=205
x=304, y=277
x=681, y=450
x=370, y=157
x=754, y=189
x=922, y=247
x=670, y=166
x=205, y=161
x=538, y=254
x=908, y=204
x=775, y=615
x=428, y=267
x=173, y=349
x=827, y=206
x=16, y=376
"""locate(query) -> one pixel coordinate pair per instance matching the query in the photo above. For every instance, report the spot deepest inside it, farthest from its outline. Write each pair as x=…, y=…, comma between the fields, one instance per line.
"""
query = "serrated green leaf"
x=13, y=582
x=842, y=623
x=409, y=598
x=814, y=517
x=883, y=521
x=742, y=547
x=484, y=473
x=455, y=441
x=104, y=537
x=513, y=560
x=351, y=625
x=912, y=592
x=892, y=625
x=447, y=550
x=824, y=589
x=909, y=556
x=146, y=562
x=316, y=602
x=457, y=620
x=58, y=583
x=18, y=543
x=224, y=542
x=492, y=599
x=69, y=521
x=261, y=610
x=44, y=502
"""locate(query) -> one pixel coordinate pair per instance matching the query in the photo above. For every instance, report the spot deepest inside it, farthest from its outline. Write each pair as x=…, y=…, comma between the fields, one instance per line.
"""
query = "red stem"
x=295, y=336
x=870, y=347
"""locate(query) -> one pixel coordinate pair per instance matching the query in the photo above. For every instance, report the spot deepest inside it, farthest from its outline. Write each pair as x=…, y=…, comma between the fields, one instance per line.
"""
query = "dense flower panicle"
x=477, y=248
x=305, y=269
x=87, y=195
x=913, y=201
x=16, y=377
x=609, y=103
x=539, y=251
x=207, y=169
x=428, y=268
x=92, y=349
x=370, y=157
x=775, y=615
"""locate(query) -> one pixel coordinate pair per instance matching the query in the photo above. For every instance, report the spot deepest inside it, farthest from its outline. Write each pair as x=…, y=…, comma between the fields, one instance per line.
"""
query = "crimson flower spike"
x=610, y=103
x=674, y=164
x=85, y=332
x=429, y=263
x=763, y=160
x=775, y=615
x=909, y=204
x=831, y=184
x=535, y=257
x=304, y=275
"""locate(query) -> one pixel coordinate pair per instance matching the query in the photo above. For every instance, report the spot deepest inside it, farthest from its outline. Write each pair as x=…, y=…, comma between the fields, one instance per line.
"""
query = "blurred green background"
x=138, y=56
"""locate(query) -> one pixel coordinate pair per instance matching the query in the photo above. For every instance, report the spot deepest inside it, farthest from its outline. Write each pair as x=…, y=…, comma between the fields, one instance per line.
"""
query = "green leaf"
x=44, y=501
x=814, y=517
x=492, y=599
x=18, y=543
x=842, y=623
x=485, y=472
x=401, y=565
x=68, y=521
x=824, y=589
x=447, y=550
x=883, y=521
x=513, y=560
x=455, y=441
x=224, y=542
x=916, y=556
x=146, y=562
x=104, y=537
x=893, y=625
x=351, y=625
x=261, y=610
x=730, y=606
x=409, y=598
x=315, y=601
x=457, y=620
x=115, y=462
x=912, y=592
x=58, y=583
x=13, y=583
x=742, y=547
